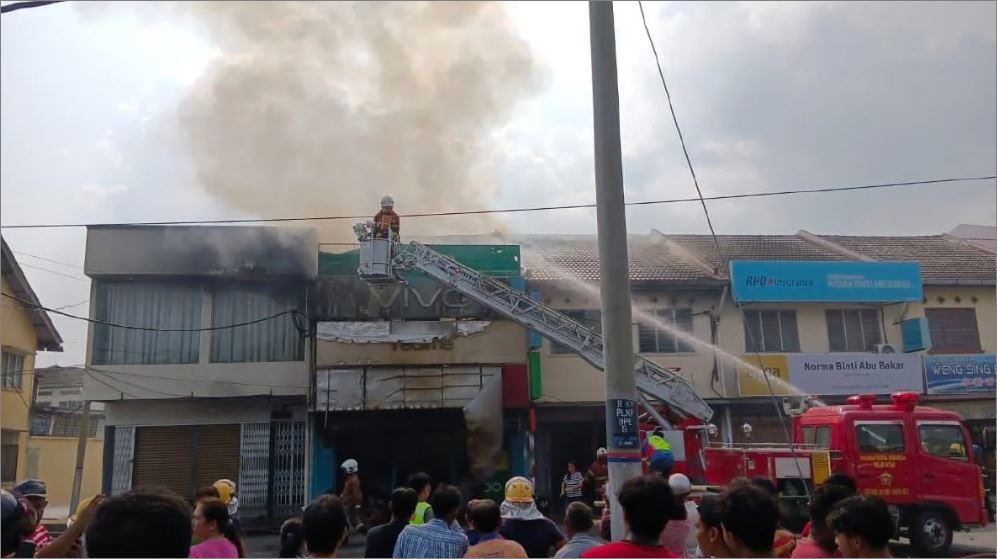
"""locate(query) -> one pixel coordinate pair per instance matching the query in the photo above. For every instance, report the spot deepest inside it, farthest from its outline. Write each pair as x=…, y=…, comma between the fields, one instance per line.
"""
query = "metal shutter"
x=217, y=453
x=163, y=458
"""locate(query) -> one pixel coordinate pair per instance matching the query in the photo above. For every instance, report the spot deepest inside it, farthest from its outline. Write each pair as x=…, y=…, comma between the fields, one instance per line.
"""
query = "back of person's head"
x=419, y=481
x=292, y=537
x=843, y=480
x=324, y=524
x=709, y=530
x=578, y=518
x=484, y=515
x=648, y=504
x=445, y=501
x=766, y=485
x=206, y=492
x=140, y=523
x=214, y=510
x=403, y=502
x=750, y=516
x=863, y=517
x=822, y=501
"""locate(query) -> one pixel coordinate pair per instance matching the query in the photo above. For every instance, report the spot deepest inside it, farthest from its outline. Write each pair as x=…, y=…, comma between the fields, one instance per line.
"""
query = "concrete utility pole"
x=623, y=441
x=81, y=454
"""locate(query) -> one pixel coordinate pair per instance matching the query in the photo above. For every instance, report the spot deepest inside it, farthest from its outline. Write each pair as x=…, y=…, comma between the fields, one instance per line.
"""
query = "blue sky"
x=98, y=102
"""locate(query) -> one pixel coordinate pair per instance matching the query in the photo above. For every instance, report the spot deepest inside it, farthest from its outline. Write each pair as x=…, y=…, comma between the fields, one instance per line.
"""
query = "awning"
x=982, y=408
x=392, y=331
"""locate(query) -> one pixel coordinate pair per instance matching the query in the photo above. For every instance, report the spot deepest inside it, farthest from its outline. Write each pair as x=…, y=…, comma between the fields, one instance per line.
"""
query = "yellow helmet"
x=225, y=489
x=81, y=507
x=519, y=490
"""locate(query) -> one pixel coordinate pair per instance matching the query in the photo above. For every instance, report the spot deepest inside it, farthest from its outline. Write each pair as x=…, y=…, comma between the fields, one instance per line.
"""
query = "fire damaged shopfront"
x=416, y=377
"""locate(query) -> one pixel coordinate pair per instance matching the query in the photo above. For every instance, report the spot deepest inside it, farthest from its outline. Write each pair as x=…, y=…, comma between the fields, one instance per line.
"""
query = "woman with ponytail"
x=214, y=531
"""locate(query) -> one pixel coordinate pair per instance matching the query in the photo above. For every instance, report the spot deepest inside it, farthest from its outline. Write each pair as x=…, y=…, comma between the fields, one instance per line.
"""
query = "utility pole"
x=81, y=454
x=622, y=438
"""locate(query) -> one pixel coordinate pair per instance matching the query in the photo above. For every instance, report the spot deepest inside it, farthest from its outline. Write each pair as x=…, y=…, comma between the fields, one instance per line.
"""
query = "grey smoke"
x=321, y=108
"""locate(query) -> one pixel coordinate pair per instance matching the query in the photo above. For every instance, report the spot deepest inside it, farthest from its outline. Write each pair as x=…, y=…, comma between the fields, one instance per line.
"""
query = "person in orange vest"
x=386, y=222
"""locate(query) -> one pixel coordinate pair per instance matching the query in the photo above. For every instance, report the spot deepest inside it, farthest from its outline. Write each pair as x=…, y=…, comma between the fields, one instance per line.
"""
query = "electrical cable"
x=720, y=252
x=33, y=267
x=52, y=260
x=24, y=5
x=509, y=210
x=149, y=329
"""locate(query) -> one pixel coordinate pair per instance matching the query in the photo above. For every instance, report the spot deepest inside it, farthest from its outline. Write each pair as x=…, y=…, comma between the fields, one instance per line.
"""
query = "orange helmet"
x=519, y=490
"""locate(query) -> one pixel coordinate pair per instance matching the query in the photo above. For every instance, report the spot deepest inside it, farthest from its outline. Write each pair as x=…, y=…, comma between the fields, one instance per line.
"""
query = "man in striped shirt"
x=571, y=484
x=436, y=538
x=34, y=492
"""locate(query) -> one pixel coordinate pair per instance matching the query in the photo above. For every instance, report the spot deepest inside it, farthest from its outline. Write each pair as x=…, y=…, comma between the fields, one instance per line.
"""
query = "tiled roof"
x=942, y=258
x=692, y=258
x=651, y=259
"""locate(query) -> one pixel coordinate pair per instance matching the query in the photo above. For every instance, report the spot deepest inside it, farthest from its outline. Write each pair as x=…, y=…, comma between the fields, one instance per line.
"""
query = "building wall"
x=503, y=341
x=200, y=412
x=53, y=459
x=17, y=335
x=567, y=378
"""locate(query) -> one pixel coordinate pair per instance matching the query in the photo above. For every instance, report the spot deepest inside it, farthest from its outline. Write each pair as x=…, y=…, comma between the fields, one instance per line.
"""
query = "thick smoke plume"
x=321, y=108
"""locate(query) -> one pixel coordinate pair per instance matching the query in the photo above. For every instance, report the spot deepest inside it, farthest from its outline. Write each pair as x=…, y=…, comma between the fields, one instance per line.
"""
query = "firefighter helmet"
x=226, y=488
x=387, y=202
x=601, y=452
x=519, y=490
x=350, y=466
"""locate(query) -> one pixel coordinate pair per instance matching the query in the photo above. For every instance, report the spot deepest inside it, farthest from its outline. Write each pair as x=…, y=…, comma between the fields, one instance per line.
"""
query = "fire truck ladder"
x=653, y=381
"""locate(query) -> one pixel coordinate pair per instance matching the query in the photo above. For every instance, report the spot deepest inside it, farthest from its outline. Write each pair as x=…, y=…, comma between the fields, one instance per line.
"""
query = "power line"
x=112, y=374
x=24, y=5
x=52, y=260
x=148, y=329
x=763, y=194
x=675, y=119
x=89, y=372
x=33, y=267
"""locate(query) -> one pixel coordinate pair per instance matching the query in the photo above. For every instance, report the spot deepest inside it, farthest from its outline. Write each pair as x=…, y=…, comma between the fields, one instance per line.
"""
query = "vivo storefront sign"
x=832, y=374
x=789, y=281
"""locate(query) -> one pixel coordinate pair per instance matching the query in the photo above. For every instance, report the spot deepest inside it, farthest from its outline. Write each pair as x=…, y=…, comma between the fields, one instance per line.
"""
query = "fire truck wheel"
x=931, y=533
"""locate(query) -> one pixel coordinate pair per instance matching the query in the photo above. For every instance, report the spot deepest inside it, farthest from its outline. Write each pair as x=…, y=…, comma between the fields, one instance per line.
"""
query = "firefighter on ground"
x=386, y=222
x=598, y=474
x=658, y=453
x=352, y=495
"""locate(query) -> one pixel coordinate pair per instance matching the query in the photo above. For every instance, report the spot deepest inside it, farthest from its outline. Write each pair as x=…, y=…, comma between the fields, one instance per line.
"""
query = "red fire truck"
x=918, y=459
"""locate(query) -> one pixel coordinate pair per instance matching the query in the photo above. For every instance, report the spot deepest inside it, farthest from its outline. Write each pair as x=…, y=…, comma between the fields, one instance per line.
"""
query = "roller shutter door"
x=184, y=458
x=217, y=454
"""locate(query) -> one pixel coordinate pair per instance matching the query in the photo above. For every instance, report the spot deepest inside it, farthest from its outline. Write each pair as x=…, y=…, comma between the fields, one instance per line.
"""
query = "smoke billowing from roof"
x=320, y=108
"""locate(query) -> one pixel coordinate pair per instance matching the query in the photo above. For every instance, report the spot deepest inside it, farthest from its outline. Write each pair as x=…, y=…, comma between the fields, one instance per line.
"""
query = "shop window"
x=855, y=330
x=590, y=318
x=953, y=330
x=653, y=338
x=879, y=437
x=944, y=441
x=771, y=331
x=13, y=370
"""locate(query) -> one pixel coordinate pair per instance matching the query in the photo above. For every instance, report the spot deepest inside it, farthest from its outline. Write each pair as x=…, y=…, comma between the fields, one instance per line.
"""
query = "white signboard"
x=854, y=373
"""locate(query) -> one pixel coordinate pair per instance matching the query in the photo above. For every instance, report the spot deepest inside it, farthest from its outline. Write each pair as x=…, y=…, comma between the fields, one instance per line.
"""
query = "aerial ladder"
x=381, y=260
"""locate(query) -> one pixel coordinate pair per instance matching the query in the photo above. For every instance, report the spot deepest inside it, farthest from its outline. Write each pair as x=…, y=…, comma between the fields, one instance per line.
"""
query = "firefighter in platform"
x=387, y=225
x=658, y=453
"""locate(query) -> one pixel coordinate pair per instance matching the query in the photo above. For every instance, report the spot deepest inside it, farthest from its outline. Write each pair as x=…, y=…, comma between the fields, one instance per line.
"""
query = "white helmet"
x=680, y=484
x=387, y=202
x=350, y=466
x=601, y=452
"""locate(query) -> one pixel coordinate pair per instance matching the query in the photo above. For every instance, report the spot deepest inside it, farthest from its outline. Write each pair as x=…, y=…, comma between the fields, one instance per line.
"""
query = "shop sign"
x=825, y=282
x=959, y=374
x=826, y=374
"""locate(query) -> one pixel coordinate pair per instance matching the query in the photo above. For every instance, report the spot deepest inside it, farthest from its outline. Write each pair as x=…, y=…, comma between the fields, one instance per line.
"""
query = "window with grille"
x=68, y=425
x=953, y=330
x=13, y=369
x=590, y=318
x=771, y=331
x=655, y=338
x=8, y=456
x=853, y=329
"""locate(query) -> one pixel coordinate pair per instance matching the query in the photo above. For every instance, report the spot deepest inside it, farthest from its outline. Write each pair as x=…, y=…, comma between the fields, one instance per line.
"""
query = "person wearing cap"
x=16, y=523
x=524, y=523
x=35, y=493
x=678, y=535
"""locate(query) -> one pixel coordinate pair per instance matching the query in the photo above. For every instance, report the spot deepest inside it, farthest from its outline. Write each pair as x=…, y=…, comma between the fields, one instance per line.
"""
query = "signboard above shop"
x=788, y=281
x=827, y=374
x=960, y=374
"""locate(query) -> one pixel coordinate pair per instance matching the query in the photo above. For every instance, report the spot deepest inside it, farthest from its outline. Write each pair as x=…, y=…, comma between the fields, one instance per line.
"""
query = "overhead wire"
x=46, y=259
x=33, y=267
x=146, y=328
x=720, y=252
x=698, y=199
x=14, y=6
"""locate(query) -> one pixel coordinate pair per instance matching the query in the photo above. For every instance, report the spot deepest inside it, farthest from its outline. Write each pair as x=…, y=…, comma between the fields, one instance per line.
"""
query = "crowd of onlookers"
x=660, y=517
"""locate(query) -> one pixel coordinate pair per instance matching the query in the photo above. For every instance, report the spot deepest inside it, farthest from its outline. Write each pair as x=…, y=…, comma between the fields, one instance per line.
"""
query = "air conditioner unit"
x=886, y=348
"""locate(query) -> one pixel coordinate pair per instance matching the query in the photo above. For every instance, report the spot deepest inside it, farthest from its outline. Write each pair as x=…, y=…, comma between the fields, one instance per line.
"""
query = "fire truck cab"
x=918, y=459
